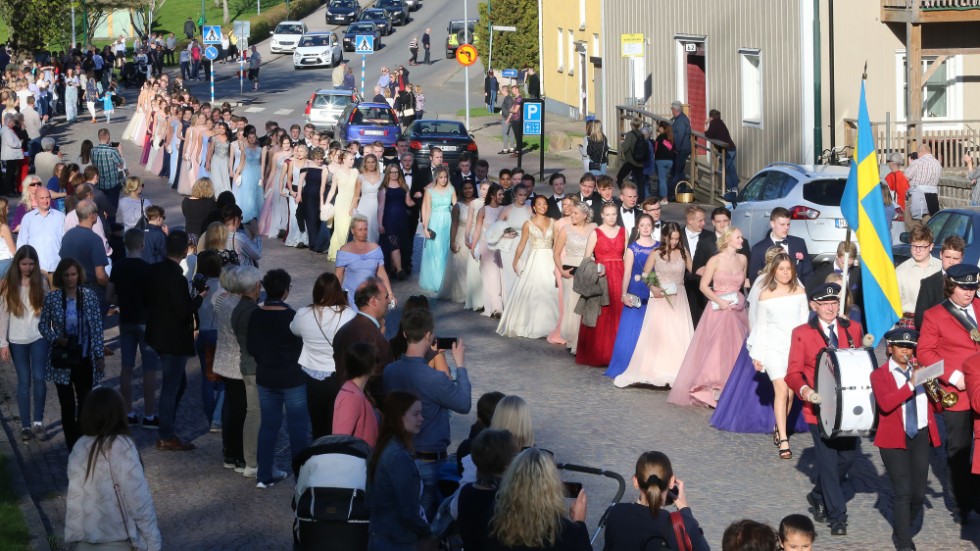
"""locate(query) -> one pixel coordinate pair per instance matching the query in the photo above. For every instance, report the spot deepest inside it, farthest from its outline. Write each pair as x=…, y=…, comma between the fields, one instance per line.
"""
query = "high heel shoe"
x=785, y=453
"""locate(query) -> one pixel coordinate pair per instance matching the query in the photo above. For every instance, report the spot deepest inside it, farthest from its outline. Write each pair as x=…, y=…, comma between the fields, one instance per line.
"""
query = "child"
x=419, y=102
x=796, y=533
x=107, y=105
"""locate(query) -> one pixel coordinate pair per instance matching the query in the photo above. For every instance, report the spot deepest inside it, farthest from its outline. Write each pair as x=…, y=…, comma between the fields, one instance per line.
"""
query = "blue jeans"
x=171, y=391
x=731, y=173
x=432, y=472
x=680, y=166
x=132, y=336
x=5, y=265
x=271, y=402
x=29, y=362
x=491, y=101
x=209, y=389
x=664, y=167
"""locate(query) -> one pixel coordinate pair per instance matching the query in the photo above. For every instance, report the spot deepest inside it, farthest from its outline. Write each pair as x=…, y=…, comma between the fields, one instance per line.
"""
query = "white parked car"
x=286, y=36
x=318, y=49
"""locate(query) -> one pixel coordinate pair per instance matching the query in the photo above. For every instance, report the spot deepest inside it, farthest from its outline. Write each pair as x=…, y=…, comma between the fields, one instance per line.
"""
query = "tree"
x=510, y=49
x=33, y=24
x=97, y=12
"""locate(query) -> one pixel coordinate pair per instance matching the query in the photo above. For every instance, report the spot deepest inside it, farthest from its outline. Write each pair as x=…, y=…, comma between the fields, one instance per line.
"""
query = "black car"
x=343, y=11
x=963, y=221
x=397, y=10
x=380, y=18
x=449, y=136
x=359, y=28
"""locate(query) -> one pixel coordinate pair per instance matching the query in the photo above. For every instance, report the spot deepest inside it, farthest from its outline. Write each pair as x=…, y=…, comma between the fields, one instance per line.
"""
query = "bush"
x=264, y=24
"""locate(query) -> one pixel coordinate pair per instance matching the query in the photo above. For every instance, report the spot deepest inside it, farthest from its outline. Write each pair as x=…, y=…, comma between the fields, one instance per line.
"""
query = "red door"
x=696, y=97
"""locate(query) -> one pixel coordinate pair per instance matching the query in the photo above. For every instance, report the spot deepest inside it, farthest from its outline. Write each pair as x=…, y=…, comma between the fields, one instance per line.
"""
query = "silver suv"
x=324, y=107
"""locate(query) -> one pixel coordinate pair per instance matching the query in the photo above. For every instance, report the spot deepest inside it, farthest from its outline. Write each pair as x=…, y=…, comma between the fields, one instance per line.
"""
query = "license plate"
x=374, y=132
x=841, y=223
x=448, y=148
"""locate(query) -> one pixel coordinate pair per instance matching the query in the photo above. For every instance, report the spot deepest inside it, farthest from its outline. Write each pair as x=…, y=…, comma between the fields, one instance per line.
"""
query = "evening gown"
x=666, y=333
x=187, y=167
x=435, y=252
x=294, y=236
x=275, y=209
x=357, y=268
x=202, y=161
x=394, y=219
x=596, y=343
x=248, y=194
x=155, y=163
x=316, y=230
x=176, y=151
x=632, y=319
x=473, y=283
x=343, y=200
x=493, y=298
x=532, y=310
x=454, y=282
x=368, y=206
x=220, y=178
x=711, y=355
x=554, y=337
x=575, y=243
x=745, y=404
x=508, y=247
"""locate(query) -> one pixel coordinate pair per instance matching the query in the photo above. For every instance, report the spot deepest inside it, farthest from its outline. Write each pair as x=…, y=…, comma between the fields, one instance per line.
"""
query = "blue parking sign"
x=533, y=111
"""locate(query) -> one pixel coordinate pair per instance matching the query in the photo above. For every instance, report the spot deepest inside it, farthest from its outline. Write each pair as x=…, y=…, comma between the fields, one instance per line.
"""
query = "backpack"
x=641, y=151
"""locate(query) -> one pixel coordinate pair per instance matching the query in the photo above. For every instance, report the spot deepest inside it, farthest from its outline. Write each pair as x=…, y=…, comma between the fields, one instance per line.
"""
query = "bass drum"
x=843, y=381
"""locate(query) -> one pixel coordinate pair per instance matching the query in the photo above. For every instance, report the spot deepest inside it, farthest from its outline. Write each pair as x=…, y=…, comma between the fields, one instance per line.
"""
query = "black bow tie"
x=781, y=243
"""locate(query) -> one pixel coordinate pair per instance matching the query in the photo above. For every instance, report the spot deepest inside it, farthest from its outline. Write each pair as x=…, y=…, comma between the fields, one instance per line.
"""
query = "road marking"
x=283, y=111
x=255, y=109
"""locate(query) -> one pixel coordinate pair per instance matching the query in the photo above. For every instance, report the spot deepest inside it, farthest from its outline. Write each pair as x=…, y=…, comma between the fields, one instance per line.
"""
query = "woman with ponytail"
x=645, y=524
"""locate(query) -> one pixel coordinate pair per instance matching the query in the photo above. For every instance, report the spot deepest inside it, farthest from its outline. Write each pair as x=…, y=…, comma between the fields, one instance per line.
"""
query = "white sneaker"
x=277, y=476
x=250, y=472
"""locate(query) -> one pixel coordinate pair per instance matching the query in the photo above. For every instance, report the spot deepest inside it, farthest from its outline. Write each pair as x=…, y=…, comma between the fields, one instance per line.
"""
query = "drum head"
x=827, y=383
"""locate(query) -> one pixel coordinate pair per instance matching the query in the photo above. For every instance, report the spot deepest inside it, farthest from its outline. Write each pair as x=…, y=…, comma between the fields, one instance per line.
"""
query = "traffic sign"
x=364, y=44
x=466, y=55
x=242, y=28
x=211, y=53
x=212, y=34
x=631, y=45
x=503, y=28
x=532, y=118
x=509, y=73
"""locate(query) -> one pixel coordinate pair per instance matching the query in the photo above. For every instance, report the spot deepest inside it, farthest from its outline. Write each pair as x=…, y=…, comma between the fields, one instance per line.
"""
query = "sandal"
x=775, y=436
x=785, y=453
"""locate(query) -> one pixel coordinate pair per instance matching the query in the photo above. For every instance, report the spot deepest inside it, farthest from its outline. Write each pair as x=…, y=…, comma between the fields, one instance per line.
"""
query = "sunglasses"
x=33, y=184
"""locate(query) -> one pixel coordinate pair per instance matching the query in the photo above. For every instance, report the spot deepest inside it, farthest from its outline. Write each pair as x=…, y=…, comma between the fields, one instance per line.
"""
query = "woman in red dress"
x=608, y=245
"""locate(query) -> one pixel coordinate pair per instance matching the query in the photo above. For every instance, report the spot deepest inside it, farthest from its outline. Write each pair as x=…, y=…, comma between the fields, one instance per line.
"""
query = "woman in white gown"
x=489, y=258
x=474, y=280
x=293, y=188
x=532, y=309
x=569, y=252
x=454, y=282
x=367, y=204
x=514, y=215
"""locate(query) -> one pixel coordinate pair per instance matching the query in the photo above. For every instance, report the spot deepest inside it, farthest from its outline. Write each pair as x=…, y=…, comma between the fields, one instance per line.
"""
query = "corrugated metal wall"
x=771, y=26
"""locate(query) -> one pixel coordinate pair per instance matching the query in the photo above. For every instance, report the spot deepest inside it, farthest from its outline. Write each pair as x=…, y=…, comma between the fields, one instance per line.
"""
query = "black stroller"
x=331, y=512
x=132, y=76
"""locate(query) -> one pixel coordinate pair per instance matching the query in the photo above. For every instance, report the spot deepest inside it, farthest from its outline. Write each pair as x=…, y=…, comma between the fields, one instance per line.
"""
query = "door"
x=697, y=97
x=583, y=82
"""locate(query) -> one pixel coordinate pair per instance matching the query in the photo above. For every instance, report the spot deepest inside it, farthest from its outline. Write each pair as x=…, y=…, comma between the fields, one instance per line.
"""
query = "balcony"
x=929, y=11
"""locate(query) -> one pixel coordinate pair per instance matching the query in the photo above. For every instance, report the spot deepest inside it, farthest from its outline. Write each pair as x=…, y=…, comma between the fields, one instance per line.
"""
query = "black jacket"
x=170, y=310
x=804, y=267
x=931, y=293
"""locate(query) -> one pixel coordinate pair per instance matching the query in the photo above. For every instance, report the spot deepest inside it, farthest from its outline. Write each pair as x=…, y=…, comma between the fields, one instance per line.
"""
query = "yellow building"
x=571, y=56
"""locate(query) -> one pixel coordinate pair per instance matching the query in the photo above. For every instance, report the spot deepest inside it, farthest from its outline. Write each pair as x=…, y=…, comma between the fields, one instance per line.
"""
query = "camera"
x=671, y=496
x=199, y=283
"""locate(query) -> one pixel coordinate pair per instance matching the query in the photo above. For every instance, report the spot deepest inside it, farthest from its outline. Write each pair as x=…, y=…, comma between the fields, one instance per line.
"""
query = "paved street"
x=577, y=412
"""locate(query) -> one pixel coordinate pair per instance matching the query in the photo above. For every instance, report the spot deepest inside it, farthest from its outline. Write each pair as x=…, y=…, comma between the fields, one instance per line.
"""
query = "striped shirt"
x=108, y=160
x=925, y=172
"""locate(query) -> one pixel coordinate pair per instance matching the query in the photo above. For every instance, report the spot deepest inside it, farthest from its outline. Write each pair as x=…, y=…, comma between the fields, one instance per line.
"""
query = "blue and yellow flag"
x=864, y=210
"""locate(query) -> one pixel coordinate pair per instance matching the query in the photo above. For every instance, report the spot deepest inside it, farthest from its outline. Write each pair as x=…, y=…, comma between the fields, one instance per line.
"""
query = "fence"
x=707, y=175
x=948, y=146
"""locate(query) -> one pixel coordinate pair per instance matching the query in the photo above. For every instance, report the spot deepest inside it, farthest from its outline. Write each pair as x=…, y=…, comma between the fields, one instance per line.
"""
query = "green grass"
x=477, y=112
x=14, y=535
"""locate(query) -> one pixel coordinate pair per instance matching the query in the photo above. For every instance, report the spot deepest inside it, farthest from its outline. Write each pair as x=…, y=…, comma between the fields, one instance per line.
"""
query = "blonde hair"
x=530, y=502
x=214, y=238
x=595, y=132
x=202, y=188
x=513, y=414
x=132, y=184
x=726, y=238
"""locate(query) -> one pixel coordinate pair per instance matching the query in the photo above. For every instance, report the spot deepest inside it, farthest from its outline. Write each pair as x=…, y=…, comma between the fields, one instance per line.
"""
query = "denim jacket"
x=395, y=498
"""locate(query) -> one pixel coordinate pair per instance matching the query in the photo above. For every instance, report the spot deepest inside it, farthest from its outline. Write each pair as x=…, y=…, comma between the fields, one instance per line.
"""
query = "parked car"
x=450, y=136
x=317, y=49
x=963, y=221
x=368, y=122
x=455, y=35
x=325, y=106
x=397, y=9
x=812, y=193
x=359, y=28
x=380, y=18
x=413, y=5
x=343, y=11
x=286, y=36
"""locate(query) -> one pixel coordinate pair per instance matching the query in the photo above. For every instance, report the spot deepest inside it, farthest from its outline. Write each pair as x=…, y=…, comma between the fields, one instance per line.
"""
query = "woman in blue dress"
x=631, y=319
x=248, y=179
x=360, y=259
x=202, y=171
x=393, y=205
x=437, y=208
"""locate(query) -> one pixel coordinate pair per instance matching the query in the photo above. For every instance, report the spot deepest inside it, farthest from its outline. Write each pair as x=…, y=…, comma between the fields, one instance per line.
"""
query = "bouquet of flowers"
x=651, y=280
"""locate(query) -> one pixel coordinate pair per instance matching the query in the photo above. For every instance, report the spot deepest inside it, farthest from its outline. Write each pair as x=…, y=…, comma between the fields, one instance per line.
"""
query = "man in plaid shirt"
x=923, y=174
x=110, y=163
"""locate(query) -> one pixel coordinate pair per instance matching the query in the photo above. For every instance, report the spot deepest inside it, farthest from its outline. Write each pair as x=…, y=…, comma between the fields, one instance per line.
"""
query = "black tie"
x=832, y=331
x=969, y=318
x=781, y=243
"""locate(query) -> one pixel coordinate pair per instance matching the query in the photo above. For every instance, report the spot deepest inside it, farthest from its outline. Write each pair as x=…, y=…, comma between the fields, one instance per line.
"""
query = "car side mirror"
x=272, y=33
x=904, y=237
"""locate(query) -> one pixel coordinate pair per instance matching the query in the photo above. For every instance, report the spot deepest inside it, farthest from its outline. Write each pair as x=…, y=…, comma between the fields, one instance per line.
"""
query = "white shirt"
x=44, y=233
x=318, y=327
x=921, y=401
x=692, y=239
x=910, y=276
x=825, y=327
x=781, y=242
x=629, y=217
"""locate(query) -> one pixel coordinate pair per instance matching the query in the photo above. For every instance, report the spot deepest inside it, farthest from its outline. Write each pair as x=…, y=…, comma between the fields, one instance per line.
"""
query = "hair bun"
x=654, y=480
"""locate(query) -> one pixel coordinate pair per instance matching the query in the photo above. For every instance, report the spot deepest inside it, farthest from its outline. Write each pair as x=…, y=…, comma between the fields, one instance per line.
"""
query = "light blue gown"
x=357, y=268
x=436, y=251
x=249, y=194
x=202, y=172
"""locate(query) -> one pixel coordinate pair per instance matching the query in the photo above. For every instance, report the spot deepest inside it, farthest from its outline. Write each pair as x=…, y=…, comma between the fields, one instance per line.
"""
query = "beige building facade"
x=571, y=60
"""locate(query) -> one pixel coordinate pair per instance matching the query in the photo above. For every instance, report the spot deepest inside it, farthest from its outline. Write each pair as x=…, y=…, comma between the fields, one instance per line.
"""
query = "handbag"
x=408, y=112
x=680, y=532
x=142, y=222
x=327, y=211
x=69, y=355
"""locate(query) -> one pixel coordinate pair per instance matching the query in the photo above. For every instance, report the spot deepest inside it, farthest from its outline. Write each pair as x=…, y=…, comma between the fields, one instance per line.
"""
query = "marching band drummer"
x=906, y=429
x=950, y=333
x=835, y=456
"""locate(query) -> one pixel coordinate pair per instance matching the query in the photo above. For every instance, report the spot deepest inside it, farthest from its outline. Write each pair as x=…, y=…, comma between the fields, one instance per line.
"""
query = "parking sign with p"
x=532, y=118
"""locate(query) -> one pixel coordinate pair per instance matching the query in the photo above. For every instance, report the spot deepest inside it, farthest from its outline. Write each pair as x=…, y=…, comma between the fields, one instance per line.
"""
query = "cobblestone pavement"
x=577, y=413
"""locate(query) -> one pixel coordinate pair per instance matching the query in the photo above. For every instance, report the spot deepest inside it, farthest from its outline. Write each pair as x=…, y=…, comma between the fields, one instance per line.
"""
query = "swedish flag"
x=864, y=210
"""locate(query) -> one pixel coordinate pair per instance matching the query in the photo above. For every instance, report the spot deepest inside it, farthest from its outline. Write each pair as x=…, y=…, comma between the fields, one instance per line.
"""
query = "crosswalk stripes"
x=255, y=109
x=283, y=111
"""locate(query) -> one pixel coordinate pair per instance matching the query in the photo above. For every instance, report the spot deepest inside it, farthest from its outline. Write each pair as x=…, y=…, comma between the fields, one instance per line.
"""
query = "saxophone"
x=935, y=392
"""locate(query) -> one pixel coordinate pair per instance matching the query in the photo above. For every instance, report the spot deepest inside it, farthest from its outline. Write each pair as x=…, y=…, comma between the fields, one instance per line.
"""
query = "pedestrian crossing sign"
x=364, y=44
x=212, y=34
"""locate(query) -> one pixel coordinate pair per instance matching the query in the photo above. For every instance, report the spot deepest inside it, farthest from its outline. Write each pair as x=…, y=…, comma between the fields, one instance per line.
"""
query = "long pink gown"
x=716, y=345
x=555, y=336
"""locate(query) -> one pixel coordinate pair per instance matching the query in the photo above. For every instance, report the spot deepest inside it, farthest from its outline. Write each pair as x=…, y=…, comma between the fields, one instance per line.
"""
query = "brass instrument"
x=935, y=392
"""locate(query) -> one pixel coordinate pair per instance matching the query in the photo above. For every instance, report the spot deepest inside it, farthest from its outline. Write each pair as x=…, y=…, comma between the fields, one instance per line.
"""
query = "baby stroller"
x=132, y=76
x=331, y=512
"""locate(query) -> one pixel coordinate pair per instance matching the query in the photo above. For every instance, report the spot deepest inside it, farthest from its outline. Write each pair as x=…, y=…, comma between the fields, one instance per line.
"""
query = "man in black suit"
x=605, y=186
x=628, y=211
x=779, y=235
x=651, y=207
x=557, y=183
x=481, y=173
x=691, y=237
x=371, y=299
x=506, y=180
x=825, y=270
x=401, y=148
x=931, y=290
x=463, y=173
x=421, y=178
x=170, y=331
x=586, y=189
x=721, y=220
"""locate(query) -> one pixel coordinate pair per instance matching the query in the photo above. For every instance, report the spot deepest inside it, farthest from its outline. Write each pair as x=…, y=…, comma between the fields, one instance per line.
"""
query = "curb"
x=32, y=516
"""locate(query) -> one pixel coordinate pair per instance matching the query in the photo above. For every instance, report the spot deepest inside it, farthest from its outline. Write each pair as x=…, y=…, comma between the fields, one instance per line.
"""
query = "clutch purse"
x=327, y=212
x=732, y=297
x=432, y=234
x=632, y=300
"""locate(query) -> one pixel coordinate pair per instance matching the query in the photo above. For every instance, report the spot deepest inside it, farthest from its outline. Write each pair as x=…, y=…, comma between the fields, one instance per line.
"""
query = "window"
x=581, y=14
x=824, y=192
x=940, y=95
x=778, y=185
x=595, y=45
x=559, y=48
x=571, y=52
x=751, y=69
x=753, y=190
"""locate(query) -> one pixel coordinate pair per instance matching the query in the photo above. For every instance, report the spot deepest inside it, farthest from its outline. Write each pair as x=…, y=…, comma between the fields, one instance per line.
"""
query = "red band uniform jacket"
x=806, y=342
x=942, y=337
x=890, y=399
x=971, y=370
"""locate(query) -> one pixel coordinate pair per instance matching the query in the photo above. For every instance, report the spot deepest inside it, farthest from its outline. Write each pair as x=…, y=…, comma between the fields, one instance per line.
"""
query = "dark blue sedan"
x=962, y=221
x=359, y=28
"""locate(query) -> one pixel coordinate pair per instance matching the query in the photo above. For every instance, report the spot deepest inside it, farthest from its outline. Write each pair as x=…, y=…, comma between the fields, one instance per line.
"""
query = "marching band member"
x=835, y=456
x=949, y=333
x=971, y=372
x=906, y=430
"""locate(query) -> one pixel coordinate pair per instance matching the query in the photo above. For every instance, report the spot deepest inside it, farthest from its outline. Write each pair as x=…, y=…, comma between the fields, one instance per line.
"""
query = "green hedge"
x=264, y=24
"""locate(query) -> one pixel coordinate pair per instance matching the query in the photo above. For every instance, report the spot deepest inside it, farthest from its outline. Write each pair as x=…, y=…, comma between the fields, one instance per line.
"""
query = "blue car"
x=963, y=221
x=366, y=122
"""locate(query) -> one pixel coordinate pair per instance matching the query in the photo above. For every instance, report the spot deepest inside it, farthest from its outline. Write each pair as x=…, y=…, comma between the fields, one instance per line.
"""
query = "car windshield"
x=391, y=3
x=373, y=14
x=318, y=40
x=289, y=29
x=441, y=127
x=824, y=192
x=361, y=28
x=374, y=116
x=457, y=26
x=330, y=100
x=342, y=4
